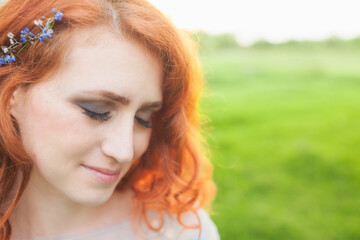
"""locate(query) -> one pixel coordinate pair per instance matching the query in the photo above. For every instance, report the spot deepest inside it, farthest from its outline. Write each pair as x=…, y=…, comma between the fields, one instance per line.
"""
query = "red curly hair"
x=173, y=174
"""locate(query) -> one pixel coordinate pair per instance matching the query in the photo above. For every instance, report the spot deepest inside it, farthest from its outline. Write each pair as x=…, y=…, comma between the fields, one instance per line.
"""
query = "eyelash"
x=146, y=124
x=101, y=117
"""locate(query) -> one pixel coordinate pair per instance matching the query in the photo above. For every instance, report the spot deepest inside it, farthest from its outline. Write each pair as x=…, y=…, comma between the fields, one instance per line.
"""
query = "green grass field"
x=285, y=141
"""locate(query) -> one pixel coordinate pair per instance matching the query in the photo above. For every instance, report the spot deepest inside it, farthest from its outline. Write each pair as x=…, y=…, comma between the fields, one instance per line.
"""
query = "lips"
x=103, y=175
x=103, y=170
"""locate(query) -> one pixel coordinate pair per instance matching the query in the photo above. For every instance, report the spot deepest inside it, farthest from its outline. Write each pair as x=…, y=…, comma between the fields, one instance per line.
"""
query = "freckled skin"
x=59, y=137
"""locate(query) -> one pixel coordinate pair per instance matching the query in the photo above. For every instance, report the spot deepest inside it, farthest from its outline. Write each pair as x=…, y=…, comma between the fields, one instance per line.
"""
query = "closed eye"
x=101, y=117
x=146, y=124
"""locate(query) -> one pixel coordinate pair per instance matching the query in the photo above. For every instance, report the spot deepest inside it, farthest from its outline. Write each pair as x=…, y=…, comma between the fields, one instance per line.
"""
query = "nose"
x=118, y=142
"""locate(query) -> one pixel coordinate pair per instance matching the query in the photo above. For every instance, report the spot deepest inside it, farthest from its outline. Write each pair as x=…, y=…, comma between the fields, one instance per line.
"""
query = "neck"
x=42, y=213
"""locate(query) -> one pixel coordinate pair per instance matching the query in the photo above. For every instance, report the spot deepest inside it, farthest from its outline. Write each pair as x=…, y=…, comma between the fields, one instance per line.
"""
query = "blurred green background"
x=284, y=137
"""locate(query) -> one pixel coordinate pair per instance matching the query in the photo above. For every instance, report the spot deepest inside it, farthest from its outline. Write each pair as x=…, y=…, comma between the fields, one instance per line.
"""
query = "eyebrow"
x=111, y=96
x=123, y=100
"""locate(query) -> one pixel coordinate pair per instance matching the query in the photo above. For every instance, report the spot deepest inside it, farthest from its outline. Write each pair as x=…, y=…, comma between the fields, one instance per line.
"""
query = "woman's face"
x=96, y=113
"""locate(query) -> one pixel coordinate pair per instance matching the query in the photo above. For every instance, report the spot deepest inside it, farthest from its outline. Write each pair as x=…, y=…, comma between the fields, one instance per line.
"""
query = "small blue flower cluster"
x=58, y=14
x=24, y=33
x=26, y=36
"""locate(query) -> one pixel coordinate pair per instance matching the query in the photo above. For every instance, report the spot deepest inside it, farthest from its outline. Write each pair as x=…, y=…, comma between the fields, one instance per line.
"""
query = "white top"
x=171, y=230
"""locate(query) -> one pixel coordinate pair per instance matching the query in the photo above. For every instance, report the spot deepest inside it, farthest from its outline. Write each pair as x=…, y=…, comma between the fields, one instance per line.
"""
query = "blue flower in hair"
x=10, y=59
x=27, y=37
x=47, y=32
x=58, y=16
x=24, y=34
x=23, y=38
x=25, y=31
x=41, y=38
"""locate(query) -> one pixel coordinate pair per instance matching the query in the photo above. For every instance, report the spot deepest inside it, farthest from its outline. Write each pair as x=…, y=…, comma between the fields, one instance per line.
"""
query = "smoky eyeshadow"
x=95, y=106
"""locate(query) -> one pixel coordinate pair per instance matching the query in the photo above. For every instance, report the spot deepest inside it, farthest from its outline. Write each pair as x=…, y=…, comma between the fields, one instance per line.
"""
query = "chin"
x=92, y=198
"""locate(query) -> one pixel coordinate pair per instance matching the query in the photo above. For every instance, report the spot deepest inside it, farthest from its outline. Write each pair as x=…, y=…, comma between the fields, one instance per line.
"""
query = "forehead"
x=97, y=37
x=101, y=59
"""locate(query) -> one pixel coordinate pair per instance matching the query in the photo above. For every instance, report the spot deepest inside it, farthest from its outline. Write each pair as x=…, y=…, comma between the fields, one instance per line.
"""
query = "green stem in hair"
x=23, y=47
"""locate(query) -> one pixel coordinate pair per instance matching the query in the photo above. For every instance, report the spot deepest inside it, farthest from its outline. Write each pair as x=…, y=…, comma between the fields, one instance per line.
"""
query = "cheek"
x=50, y=130
x=141, y=142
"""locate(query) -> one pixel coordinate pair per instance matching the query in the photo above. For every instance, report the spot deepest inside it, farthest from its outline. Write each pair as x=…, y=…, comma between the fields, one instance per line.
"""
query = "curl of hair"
x=174, y=174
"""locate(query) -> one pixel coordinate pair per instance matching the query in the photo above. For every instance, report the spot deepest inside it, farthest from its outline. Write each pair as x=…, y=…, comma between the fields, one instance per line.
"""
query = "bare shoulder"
x=209, y=230
x=123, y=206
x=172, y=229
x=208, y=226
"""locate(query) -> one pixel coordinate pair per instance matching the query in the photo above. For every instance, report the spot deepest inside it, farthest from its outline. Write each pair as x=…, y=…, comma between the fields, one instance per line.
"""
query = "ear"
x=15, y=102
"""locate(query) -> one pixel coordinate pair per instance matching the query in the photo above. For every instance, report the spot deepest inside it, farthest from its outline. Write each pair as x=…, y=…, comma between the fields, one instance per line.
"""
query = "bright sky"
x=273, y=20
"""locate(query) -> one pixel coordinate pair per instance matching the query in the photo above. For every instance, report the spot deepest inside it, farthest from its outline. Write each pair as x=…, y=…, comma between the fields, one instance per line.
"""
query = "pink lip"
x=103, y=170
x=103, y=175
